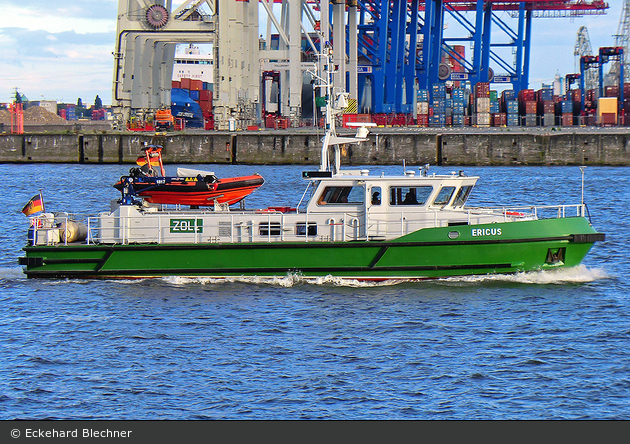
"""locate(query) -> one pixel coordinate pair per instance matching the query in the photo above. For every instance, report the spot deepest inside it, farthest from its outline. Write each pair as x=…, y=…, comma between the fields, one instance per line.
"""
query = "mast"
x=336, y=102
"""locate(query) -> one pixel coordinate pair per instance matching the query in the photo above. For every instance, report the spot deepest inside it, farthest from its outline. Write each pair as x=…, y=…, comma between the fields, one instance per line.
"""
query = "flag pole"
x=41, y=197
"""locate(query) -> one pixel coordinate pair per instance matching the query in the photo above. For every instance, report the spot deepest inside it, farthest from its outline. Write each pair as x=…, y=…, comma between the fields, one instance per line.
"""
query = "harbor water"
x=546, y=345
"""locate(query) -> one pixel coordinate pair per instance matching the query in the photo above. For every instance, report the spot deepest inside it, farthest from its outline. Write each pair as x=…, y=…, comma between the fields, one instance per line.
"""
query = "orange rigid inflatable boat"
x=189, y=187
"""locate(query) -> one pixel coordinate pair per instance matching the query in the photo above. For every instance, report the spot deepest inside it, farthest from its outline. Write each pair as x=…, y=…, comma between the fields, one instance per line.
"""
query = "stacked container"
x=423, y=107
x=499, y=118
x=458, y=100
x=71, y=113
x=566, y=112
x=437, y=118
x=482, y=104
x=546, y=107
x=99, y=114
x=607, y=111
x=509, y=105
x=199, y=91
x=528, y=106
x=590, y=107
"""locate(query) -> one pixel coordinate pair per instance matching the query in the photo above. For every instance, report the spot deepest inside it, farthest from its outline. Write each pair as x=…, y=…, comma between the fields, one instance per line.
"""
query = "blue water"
x=550, y=345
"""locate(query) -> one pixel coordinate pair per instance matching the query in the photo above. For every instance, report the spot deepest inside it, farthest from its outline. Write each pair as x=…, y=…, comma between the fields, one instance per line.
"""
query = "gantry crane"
x=384, y=49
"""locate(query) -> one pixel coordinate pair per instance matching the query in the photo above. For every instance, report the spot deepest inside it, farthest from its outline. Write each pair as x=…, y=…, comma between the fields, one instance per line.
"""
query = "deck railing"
x=243, y=227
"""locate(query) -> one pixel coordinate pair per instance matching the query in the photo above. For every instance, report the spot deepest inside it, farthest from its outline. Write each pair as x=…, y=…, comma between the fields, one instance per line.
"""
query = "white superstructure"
x=190, y=63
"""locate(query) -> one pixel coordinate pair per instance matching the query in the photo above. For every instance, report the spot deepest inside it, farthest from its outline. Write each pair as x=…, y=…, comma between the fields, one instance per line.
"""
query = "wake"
x=579, y=274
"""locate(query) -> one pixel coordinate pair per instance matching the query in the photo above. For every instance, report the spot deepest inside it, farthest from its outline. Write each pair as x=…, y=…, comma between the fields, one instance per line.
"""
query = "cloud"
x=57, y=66
x=63, y=50
x=85, y=16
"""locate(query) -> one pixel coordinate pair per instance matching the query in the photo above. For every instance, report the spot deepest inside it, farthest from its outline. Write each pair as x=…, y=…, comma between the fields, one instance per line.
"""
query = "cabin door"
x=376, y=214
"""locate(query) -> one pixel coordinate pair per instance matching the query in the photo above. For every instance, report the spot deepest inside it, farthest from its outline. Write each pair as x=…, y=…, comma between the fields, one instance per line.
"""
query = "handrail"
x=346, y=226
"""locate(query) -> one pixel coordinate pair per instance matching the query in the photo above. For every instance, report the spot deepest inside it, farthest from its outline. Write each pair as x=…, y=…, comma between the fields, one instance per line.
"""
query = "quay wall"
x=601, y=146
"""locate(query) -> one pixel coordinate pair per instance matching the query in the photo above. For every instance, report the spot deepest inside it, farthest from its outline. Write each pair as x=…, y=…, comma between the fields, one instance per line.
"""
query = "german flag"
x=143, y=161
x=34, y=205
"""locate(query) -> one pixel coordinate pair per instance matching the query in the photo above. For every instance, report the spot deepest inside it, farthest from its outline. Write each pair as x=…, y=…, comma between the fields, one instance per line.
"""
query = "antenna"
x=582, y=168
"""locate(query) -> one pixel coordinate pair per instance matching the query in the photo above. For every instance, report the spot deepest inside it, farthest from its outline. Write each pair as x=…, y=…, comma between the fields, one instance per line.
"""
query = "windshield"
x=342, y=195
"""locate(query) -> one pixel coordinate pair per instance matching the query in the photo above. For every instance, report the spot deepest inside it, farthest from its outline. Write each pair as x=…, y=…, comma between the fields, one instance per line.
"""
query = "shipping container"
x=482, y=89
x=194, y=94
x=549, y=119
x=459, y=120
x=511, y=106
x=566, y=106
x=611, y=91
x=196, y=84
x=529, y=107
x=205, y=94
x=423, y=95
x=423, y=108
x=459, y=94
x=567, y=119
x=544, y=95
x=508, y=95
x=439, y=106
x=176, y=84
x=482, y=119
x=494, y=107
x=499, y=119
x=531, y=120
x=526, y=95
x=348, y=118
x=607, y=105
x=574, y=95
x=185, y=83
x=545, y=107
x=608, y=119
x=206, y=105
x=513, y=120
x=380, y=119
x=482, y=104
x=423, y=120
x=438, y=91
x=458, y=108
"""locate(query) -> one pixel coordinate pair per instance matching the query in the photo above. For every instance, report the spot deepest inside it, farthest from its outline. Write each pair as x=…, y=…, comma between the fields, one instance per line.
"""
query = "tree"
x=98, y=103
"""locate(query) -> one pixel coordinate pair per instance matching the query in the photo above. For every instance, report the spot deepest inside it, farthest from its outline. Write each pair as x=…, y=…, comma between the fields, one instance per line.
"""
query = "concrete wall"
x=384, y=147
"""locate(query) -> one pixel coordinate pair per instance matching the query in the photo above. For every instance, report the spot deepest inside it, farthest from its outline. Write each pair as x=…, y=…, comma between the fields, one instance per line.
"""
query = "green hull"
x=429, y=253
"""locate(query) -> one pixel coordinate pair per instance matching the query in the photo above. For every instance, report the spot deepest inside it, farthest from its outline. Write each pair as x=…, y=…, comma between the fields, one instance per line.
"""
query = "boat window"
x=264, y=228
x=462, y=195
x=376, y=195
x=342, y=195
x=409, y=195
x=300, y=229
x=444, y=196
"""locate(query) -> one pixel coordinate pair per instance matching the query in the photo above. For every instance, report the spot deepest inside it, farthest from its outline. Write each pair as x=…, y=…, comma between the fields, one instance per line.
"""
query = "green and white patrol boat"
x=348, y=224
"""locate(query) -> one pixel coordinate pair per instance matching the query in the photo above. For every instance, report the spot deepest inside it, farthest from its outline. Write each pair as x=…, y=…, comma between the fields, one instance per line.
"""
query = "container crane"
x=583, y=48
x=622, y=40
x=402, y=43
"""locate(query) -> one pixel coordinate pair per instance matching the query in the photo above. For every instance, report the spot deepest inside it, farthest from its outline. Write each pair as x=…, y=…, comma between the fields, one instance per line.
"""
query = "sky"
x=62, y=51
